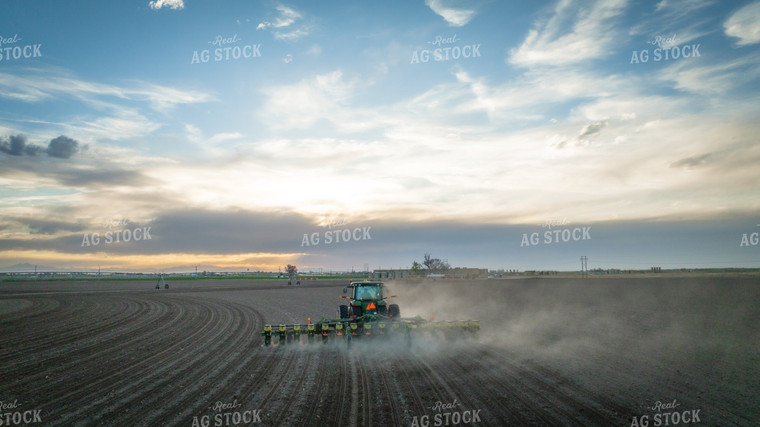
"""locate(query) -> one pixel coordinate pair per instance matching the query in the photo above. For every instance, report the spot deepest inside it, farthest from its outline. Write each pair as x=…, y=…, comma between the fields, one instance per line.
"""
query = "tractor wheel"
x=354, y=312
x=394, y=311
x=382, y=310
x=344, y=312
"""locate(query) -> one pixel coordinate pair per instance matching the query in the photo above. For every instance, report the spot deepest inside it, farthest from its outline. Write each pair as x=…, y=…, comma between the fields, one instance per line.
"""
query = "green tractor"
x=368, y=303
x=367, y=316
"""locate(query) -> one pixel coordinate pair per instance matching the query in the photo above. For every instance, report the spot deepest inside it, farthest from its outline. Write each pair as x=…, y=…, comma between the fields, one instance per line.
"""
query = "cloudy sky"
x=241, y=134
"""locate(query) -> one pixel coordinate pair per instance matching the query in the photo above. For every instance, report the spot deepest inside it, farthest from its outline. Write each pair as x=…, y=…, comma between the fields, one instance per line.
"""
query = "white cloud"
x=455, y=17
x=314, y=50
x=302, y=104
x=287, y=17
x=714, y=79
x=171, y=4
x=220, y=138
x=37, y=86
x=616, y=128
x=283, y=25
x=744, y=24
x=576, y=32
x=528, y=97
x=215, y=146
x=681, y=8
x=116, y=111
x=126, y=125
x=683, y=21
x=162, y=98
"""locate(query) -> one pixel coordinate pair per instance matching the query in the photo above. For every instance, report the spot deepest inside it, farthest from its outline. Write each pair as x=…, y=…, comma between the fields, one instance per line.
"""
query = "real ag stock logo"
x=117, y=236
x=336, y=236
x=446, y=414
x=10, y=416
x=667, y=415
x=551, y=236
x=10, y=49
x=667, y=49
x=226, y=49
x=445, y=49
x=228, y=414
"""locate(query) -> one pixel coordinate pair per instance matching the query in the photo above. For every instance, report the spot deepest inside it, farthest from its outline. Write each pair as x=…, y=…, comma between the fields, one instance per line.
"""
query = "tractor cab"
x=366, y=291
x=367, y=299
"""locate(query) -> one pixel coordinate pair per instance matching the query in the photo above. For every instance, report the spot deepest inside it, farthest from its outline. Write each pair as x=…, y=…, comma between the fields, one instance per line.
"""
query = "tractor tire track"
x=312, y=417
x=385, y=408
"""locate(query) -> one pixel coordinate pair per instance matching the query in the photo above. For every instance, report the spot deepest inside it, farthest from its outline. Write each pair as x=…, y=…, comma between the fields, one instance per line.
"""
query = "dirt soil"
x=598, y=351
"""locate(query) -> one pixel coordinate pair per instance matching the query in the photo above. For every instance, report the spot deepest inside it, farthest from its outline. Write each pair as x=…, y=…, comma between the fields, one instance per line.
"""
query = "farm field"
x=551, y=351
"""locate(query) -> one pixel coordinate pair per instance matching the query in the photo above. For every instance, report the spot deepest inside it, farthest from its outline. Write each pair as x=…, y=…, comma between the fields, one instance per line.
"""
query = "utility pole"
x=584, y=266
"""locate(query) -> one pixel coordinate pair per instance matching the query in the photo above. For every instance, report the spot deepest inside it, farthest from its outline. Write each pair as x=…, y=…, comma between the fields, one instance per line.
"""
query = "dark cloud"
x=69, y=175
x=16, y=145
x=586, y=133
x=203, y=231
x=692, y=162
x=99, y=177
x=33, y=150
x=61, y=147
x=591, y=130
x=668, y=243
x=50, y=226
x=562, y=144
x=45, y=226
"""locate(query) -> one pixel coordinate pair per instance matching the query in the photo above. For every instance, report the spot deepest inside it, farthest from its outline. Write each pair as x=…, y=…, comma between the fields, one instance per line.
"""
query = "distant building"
x=467, y=273
x=453, y=273
x=394, y=274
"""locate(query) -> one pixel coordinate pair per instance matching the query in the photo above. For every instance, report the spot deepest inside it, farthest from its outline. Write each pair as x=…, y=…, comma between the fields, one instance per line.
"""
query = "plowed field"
x=600, y=351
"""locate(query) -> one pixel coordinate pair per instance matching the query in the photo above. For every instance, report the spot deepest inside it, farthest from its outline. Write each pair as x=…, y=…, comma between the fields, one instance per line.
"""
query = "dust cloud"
x=670, y=318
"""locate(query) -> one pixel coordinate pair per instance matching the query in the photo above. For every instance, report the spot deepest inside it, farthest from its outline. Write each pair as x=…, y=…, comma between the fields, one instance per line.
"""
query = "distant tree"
x=435, y=264
x=416, y=267
x=292, y=270
x=429, y=262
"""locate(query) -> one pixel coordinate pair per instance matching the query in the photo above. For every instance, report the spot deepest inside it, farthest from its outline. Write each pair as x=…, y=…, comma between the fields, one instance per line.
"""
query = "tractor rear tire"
x=382, y=310
x=344, y=312
x=394, y=311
